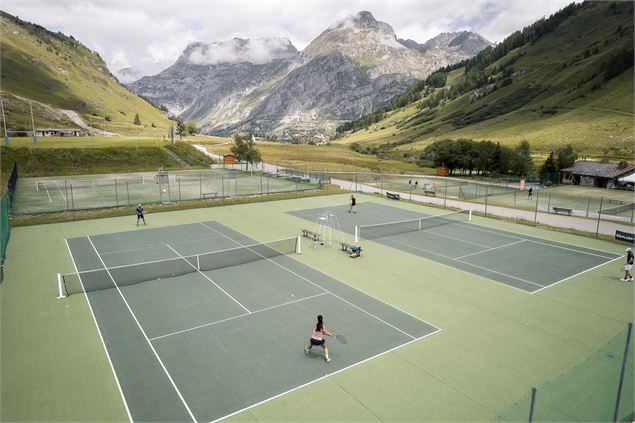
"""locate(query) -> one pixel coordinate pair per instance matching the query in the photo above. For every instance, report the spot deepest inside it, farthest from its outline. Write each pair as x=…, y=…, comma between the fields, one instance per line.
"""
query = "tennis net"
x=118, y=276
x=380, y=230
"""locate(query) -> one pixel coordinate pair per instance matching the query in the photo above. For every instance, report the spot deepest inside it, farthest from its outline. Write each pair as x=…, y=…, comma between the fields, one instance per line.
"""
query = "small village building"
x=602, y=174
x=58, y=132
x=229, y=159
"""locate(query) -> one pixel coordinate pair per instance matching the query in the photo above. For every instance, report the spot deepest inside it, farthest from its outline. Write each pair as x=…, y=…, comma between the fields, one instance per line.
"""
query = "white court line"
x=60, y=190
x=470, y=264
x=144, y=334
x=577, y=274
x=101, y=337
x=321, y=287
x=152, y=246
x=540, y=242
x=489, y=249
x=325, y=376
x=238, y=316
x=47, y=192
x=352, y=287
x=210, y=279
x=455, y=239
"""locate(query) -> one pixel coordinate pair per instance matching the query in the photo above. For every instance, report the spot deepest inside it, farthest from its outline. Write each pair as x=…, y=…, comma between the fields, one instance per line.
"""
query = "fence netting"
x=586, y=393
x=6, y=205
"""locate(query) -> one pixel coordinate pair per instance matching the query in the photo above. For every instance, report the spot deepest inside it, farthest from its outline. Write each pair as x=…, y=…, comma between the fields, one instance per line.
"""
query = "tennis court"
x=201, y=322
x=522, y=262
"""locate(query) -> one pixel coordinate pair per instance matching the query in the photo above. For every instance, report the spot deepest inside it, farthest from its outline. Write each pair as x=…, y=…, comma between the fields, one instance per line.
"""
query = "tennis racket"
x=341, y=339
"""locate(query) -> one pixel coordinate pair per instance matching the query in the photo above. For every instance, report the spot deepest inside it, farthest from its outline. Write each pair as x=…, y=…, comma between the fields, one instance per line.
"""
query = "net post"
x=624, y=358
x=469, y=215
x=60, y=290
x=298, y=245
x=532, y=405
x=198, y=262
x=356, y=233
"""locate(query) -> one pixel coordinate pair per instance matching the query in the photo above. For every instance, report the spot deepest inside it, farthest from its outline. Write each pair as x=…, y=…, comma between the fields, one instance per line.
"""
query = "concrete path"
x=560, y=221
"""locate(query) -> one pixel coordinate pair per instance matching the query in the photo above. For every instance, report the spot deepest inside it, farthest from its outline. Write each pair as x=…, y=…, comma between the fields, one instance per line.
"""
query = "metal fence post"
x=381, y=184
x=72, y=199
x=127, y=192
x=222, y=183
x=536, y=212
x=619, y=389
x=532, y=405
x=179, y=181
x=549, y=203
x=66, y=190
x=116, y=194
x=445, y=194
x=200, y=185
x=514, y=199
x=486, y=197
x=588, y=205
x=597, y=229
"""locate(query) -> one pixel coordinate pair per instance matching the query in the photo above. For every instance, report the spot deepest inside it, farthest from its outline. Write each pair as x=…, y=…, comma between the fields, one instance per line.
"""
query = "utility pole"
x=32, y=126
x=4, y=123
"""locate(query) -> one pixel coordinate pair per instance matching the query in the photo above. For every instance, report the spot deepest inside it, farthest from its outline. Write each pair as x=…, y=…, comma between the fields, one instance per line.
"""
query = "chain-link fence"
x=54, y=194
x=598, y=390
x=592, y=203
x=6, y=204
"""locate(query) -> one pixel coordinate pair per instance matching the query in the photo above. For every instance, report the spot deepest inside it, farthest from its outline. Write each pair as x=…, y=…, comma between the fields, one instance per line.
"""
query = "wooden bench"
x=310, y=234
x=562, y=210
x=612, y=201
x=429, y=192
x=209, y=194
x=392, y=195
x=345, y=246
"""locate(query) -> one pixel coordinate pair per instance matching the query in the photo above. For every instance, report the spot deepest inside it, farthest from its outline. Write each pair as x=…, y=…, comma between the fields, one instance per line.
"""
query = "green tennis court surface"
x=200, y=345
x=519, y=261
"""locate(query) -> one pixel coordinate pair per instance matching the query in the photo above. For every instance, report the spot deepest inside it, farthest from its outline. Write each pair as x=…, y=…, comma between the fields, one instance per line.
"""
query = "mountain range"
x=268, y=87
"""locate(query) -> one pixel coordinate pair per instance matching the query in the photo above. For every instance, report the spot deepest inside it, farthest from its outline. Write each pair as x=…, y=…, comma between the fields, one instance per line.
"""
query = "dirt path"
x=76, y=118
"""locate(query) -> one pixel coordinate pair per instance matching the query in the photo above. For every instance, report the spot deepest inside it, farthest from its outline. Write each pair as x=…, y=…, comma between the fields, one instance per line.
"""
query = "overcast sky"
x=149, y=35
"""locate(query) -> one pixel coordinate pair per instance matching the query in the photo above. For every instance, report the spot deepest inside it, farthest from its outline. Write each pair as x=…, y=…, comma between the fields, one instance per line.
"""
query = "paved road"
x=560, y=221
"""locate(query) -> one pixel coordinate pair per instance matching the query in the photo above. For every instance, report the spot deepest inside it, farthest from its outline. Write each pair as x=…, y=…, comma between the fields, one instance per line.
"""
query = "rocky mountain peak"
x=464, y=42
x=363, y=20
x=238, y=50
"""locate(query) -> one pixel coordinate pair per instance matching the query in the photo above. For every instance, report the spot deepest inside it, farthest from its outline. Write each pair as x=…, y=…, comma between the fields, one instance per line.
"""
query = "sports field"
x=219, y=332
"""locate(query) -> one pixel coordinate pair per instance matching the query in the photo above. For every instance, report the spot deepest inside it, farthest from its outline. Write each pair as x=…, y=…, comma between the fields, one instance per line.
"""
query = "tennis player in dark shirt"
x=140, y=214
x=353, y=205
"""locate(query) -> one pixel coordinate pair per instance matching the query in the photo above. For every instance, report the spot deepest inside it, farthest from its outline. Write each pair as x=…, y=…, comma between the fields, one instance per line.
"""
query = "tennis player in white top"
x=317, y=338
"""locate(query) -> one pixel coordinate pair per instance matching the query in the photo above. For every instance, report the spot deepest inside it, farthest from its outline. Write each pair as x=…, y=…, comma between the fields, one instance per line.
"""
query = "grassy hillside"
x=58, y=72
x=124, y=155
x=331, y=157
x=556, y=89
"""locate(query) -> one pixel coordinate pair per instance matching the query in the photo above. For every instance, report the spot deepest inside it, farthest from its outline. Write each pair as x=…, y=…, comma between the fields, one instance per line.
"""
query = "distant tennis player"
x=140, y=214
x=628, y=266
x=529, y=192
x=317, y=338
x=353, y=204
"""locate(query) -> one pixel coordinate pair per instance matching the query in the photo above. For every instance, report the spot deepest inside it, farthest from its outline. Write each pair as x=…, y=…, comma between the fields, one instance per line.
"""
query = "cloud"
x=236, y=50
x=149, y=35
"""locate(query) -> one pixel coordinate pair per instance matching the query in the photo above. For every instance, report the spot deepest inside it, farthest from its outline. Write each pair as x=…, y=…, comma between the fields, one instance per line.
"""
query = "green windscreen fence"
x=4, y=230
x=6, y=204
x=587, y=393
